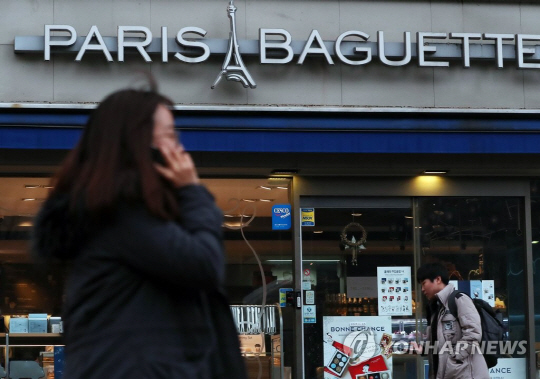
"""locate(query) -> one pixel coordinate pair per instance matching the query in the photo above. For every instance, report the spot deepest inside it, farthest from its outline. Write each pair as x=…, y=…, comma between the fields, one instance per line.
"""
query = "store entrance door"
x=343, y=247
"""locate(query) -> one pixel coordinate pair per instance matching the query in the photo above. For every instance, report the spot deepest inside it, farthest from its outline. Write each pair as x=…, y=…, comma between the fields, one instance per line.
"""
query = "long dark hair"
x=112, y=161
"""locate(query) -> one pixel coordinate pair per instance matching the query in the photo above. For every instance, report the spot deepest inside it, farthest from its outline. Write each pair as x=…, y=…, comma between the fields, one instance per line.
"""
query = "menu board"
x=394, y=291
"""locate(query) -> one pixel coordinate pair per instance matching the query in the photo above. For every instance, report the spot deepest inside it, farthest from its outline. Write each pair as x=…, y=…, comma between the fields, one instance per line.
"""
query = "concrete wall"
x=28, y=78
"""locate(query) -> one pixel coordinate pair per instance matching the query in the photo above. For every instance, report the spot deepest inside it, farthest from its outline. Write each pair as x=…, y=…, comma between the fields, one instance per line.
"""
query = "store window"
x=251, y=243
x=481, y=240
x=259, y=269
x=535, y=225
x=352, y=325
x=359, y=265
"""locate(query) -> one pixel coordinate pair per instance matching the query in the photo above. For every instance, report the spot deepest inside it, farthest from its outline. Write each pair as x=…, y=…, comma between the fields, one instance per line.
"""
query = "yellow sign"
x=308, y=216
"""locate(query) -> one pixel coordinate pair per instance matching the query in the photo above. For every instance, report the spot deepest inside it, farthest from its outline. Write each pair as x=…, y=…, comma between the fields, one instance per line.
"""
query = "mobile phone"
x=157, y=156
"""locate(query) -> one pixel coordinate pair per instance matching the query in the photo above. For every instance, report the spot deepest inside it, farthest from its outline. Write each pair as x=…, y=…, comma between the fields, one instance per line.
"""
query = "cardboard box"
x=18, y=325
x=37, y=323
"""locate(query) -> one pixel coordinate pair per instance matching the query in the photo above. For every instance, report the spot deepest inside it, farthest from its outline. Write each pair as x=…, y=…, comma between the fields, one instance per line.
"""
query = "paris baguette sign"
x=275, y=46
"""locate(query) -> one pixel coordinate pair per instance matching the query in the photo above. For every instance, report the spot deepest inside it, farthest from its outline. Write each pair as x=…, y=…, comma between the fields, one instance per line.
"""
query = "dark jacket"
x=144, y=296
x=458, y=346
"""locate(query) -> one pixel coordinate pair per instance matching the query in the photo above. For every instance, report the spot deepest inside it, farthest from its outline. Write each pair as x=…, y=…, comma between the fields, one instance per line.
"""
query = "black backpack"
x=492, y=324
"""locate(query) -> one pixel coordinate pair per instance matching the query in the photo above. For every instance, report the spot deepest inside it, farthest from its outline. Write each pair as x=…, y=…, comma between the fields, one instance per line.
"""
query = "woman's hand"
x=180, y=169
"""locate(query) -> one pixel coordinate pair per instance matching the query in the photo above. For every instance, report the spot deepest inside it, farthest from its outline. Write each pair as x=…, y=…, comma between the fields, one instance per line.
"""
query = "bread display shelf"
x=35, y=339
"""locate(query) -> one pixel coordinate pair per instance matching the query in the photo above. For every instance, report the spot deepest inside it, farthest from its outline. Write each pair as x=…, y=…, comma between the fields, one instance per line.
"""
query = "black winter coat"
x=144, y=296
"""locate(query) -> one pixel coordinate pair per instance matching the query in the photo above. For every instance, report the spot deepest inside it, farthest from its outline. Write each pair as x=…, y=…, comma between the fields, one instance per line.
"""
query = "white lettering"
x=285, y=45
x=447, y=348
x=94, y=33
x=406, y=59
x=422, y=49
x=315, y=50
x=58, y=28
x=367, y=50
x=181, y=41
x=491, y=347
x=499, y=45
x=522, y=347
x=164, y=45
x=521, y=50
x=139, y=45
x=466, y=37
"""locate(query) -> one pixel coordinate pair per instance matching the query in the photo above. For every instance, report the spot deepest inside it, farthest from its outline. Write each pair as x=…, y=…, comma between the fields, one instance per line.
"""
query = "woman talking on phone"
x=142, y=240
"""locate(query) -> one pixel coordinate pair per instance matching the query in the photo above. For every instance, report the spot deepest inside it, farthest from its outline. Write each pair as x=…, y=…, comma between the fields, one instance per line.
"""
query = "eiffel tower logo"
x=233, y=67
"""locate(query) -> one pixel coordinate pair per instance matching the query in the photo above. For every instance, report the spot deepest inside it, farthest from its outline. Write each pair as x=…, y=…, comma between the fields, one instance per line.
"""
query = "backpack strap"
x=452, y=307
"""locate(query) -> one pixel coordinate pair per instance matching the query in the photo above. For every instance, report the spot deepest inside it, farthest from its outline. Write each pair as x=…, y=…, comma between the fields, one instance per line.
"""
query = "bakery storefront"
x=347, y=143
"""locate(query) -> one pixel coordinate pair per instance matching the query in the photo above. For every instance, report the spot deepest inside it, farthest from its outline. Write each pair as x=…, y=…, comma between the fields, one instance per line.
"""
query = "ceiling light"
x=535, y=242
x=250, y=200
x=266, y=200
x=408, y=216
x=32, y=186
x=264, y=188
x=435, y=172
x=235, y=224
x=356, y=214
x=318, y=231
x=282, y=188
x=26, y=223
x=284, y=171
x=304, y=260
x=29, y=199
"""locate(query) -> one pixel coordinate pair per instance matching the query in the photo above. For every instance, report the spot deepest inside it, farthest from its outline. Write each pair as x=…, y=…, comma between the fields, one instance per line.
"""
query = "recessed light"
x=435, y=172
x=266, y=200
x=408, y=216
x=250, y=200
x=284, y=171
x=29, y=199
x=355, y=214
x=318, y=232
x=535, y=242
x=234, y=224
x=282, y=188
x=32, y=186
x=264, y=188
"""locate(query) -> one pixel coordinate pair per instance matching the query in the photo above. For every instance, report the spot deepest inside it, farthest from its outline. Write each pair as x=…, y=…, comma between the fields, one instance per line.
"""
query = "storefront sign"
x=275, y=46
x=281, y=217
x=395, y=298
x=361, y=51
x=355, y=347
x=308, y=216
x=309, y=314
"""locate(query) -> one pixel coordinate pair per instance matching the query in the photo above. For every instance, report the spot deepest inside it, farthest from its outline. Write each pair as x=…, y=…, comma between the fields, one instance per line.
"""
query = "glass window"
x=481, y=240
x=341, y=255
x=259, y=268
x=535, y=225
x=257, y=257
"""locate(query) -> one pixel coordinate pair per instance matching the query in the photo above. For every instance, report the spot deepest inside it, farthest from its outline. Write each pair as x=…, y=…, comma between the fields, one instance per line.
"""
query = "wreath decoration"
x=350, y=243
